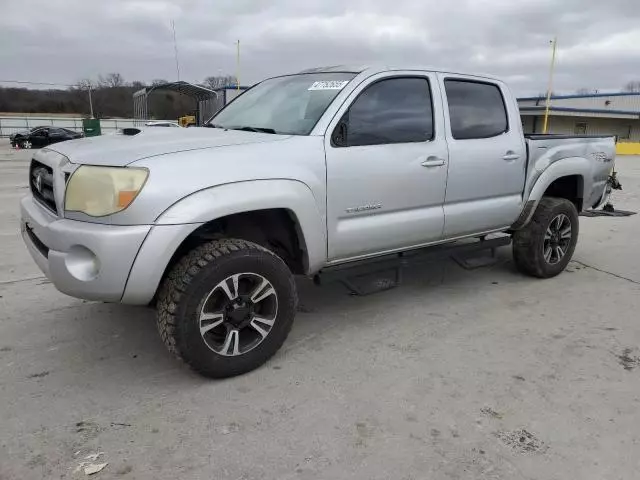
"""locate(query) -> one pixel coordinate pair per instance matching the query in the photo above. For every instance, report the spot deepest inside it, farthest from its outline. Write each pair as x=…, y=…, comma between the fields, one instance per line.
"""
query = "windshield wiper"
x=213, y=125
x=253, y=129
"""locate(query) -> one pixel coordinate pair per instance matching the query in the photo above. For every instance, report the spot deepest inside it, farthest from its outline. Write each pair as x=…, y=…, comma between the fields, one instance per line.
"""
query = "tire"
x=26, y=144
x=531, y=244
x=196, y=285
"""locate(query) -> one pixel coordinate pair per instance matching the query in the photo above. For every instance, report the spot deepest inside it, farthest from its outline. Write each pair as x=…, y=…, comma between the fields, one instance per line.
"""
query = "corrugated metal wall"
x=595, y=126
x=627, y=102
x=624, y=129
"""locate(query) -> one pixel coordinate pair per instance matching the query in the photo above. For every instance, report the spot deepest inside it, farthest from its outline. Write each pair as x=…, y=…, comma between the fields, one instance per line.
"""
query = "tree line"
x=111, y=96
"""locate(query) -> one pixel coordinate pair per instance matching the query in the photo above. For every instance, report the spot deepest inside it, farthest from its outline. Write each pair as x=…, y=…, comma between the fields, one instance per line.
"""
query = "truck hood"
x=119, y=150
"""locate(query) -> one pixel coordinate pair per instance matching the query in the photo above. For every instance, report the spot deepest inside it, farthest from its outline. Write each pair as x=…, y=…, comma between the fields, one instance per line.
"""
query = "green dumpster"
x=91, y=127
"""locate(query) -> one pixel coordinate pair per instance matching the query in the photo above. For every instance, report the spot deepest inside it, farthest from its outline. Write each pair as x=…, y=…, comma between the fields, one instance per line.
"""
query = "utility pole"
x=175, y=48
x=554, y=44
x=238, y=66
x=90, y=102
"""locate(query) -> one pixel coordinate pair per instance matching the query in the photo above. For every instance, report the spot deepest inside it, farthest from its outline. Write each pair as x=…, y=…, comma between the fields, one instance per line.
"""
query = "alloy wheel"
x=557, y=239
x=238, y=314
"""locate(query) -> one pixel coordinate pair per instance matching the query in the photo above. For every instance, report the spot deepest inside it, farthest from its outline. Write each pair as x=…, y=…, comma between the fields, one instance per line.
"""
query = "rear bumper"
x=84, y=260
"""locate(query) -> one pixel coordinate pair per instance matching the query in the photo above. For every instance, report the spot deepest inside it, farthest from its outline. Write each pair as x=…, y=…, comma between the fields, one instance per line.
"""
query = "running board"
x=364, y=277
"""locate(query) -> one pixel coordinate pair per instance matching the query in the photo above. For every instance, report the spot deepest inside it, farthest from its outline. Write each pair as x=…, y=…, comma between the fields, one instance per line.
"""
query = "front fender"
x=177, y=222
x=216, y=202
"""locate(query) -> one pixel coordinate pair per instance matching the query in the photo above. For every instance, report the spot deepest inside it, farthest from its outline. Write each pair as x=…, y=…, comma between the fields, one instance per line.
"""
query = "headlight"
x=100, y=191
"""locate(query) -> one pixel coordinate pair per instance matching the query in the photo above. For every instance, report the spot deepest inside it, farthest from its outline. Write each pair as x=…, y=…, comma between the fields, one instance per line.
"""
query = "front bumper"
x=84, y=260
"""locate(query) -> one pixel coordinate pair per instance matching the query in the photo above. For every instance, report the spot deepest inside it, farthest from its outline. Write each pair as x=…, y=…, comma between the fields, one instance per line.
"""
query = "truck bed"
x=595, y=154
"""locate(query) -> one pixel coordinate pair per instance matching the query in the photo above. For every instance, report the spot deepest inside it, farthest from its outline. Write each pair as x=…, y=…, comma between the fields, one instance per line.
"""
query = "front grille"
x=41, y=184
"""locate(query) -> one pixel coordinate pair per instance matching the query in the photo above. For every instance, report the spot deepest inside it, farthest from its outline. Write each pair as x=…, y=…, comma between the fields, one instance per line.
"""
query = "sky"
x=63, y=41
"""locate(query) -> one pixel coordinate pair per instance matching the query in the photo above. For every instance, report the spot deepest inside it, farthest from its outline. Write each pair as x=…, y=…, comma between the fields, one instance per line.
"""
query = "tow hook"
x=613, y=181
x=612, y=184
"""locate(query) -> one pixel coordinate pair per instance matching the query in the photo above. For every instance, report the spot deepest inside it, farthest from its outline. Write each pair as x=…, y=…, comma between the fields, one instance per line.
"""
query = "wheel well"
x=275, y=229
x=570, y=187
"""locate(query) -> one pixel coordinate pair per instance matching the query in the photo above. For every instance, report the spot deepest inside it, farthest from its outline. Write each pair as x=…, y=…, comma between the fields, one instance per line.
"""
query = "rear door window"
x=476, y=109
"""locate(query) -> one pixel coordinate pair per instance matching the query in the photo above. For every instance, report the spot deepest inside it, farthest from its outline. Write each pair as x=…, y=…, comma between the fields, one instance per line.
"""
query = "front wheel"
x=227, y=307
x=26, y=144
x=544, y=247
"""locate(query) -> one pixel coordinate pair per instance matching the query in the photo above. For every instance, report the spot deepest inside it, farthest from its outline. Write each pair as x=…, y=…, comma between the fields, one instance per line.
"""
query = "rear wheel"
x=227, y=307
x=544, y=247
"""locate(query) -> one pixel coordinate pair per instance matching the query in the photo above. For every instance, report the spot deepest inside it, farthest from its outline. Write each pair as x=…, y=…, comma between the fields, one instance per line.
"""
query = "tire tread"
x=527, y=256
x=180, y=278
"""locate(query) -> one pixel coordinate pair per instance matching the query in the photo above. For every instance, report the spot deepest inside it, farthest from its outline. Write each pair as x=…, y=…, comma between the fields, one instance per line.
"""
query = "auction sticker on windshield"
x=328, y=85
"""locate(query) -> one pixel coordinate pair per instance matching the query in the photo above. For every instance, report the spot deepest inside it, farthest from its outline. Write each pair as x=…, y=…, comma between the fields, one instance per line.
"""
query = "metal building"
x=207, y=101
x=591, y=114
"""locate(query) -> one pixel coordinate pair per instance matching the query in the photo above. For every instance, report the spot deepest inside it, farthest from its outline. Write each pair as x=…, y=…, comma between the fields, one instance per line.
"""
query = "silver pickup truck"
x=300, y=174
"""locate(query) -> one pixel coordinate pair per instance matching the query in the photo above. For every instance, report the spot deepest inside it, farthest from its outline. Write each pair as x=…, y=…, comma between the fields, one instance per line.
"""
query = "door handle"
x=510, y=156
x=433, y=162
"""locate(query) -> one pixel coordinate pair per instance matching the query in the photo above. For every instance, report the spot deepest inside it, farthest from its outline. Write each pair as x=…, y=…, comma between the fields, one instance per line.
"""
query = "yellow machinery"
x=187, y=121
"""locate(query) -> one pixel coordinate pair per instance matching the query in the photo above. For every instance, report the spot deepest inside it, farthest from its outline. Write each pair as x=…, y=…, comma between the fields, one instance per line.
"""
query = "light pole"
x=554, y=44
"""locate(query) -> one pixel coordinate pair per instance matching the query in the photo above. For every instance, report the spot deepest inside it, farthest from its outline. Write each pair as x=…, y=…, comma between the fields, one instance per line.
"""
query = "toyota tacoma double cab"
x=300, y=174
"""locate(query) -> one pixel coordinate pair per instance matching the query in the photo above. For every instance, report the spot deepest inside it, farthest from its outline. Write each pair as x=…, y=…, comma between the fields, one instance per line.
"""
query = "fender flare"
x=182, y=218
x=561, y=168
x=231, y=198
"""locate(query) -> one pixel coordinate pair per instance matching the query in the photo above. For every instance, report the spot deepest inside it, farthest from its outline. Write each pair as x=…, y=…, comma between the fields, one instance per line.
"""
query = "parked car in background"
x=13, y=138
x=39, y=137
x=163, y=124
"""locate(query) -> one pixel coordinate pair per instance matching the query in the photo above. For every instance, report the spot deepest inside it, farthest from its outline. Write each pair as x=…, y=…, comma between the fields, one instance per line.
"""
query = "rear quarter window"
x=476, y=109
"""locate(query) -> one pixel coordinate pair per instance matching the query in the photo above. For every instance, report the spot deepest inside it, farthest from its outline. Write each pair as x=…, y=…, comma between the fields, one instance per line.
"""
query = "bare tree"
x=220, y=81
x=111, y=80
x=86, y=84
x=632, y=87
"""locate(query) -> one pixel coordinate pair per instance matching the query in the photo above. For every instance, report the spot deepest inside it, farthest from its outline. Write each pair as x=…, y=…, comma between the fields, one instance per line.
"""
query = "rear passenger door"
x=487, y=156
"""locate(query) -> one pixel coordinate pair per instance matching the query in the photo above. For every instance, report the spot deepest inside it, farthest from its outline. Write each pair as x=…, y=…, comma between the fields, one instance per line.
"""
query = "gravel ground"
x=482, y=374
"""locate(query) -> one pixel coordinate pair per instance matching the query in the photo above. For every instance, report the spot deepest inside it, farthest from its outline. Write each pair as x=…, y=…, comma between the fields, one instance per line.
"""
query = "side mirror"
x=339, y=136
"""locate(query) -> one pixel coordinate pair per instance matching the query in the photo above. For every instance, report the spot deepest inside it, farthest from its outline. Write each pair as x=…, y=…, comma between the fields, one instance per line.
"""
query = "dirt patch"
x=627, y=360
x=490, y=412
x=364, y=432
x=38, y=375
x=87, y=430
x=522, y=441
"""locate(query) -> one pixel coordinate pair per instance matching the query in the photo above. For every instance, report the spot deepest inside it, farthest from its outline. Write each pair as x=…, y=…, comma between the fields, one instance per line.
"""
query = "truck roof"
x=380, y=68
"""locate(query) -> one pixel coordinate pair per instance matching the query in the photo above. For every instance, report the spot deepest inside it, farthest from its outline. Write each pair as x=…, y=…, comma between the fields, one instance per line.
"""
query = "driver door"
x=40, y=138
x=387, y=159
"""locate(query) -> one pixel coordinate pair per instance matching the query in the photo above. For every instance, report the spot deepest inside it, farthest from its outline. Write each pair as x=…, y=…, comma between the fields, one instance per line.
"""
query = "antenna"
x=175, y=48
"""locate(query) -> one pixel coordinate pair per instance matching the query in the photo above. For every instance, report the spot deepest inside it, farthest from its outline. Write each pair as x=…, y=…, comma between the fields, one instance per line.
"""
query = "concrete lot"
x=482, y=374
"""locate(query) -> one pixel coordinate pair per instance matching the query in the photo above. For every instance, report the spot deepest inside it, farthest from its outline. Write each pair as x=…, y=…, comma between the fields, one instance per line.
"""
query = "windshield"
x=289, y=105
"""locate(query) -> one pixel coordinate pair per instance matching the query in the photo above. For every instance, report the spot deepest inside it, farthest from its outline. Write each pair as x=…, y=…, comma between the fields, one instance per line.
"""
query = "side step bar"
x=364, y=277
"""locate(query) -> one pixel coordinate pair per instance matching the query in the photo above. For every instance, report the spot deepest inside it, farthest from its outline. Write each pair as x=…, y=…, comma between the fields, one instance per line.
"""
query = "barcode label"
x=328, y=85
